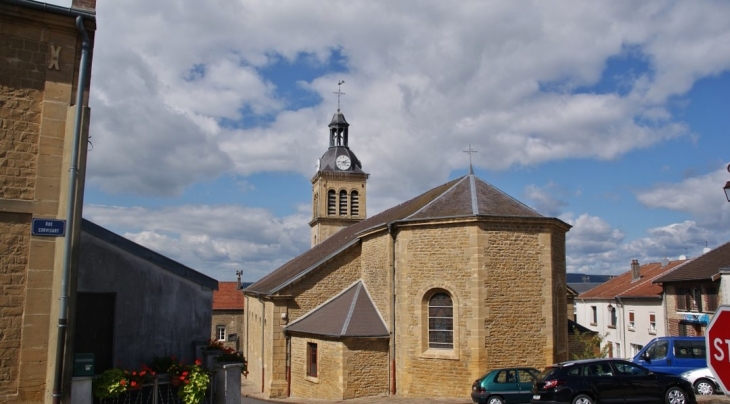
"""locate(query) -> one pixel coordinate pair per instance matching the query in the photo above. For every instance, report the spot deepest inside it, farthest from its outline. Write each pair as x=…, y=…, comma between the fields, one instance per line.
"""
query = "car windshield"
x=549, y=371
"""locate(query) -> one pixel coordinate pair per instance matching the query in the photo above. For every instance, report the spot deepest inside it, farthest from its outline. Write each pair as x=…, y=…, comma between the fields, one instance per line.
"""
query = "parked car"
x=607, y=381
x=504, y=386
x=702, y=380
x=673, y=354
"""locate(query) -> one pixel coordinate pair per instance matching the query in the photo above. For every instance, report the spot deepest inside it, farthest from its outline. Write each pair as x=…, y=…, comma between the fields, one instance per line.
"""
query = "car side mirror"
x=645, y=356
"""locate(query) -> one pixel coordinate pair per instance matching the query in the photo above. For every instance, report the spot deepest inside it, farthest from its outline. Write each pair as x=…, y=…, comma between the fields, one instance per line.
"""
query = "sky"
x=207, y=119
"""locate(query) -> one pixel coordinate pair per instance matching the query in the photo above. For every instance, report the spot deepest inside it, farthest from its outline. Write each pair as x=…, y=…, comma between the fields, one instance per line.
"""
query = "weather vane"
x=470, y=151
x=339, y=93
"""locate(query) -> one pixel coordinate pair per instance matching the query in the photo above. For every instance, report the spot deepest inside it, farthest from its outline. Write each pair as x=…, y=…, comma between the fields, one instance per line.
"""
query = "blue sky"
x=207, y=121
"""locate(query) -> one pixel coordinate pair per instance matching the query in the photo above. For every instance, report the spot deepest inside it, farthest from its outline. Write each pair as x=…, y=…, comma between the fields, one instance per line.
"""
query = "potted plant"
x=194, y=382
x=110, y=384
x=114, y=382
x=230, y=355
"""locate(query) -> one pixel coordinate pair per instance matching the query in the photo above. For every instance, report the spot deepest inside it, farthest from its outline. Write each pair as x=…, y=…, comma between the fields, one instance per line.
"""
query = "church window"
x=311, y=359
x=440, y=321
x=343, y=203
x=354, y=204
x=331, y=202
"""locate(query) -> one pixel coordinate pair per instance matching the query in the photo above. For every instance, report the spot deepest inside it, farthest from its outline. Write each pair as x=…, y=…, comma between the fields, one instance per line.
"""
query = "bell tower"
x=338, y=186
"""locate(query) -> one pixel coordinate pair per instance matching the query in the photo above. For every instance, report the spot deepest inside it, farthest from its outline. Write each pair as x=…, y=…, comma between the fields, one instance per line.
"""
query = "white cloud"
x=701, y=196
x=215, y=240
x=422, y=83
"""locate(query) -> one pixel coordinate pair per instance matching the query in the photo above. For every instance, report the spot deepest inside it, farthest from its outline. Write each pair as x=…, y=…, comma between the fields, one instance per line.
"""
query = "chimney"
x=635, y=273
x=86, y=5
x=239, y=286
x=665, y=261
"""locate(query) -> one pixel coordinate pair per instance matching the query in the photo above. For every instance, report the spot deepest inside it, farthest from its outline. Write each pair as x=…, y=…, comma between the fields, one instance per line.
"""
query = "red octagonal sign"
x=718, y=346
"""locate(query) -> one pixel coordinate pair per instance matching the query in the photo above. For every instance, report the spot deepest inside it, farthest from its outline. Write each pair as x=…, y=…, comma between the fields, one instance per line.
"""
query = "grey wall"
x=157, y=312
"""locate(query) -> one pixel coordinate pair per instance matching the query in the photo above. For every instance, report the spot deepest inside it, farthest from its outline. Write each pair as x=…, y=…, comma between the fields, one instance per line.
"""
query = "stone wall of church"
x=328, y=383
x=501, y=279
x=327, y=281
x=376, y=258
x=365, y=367
x=433, y=258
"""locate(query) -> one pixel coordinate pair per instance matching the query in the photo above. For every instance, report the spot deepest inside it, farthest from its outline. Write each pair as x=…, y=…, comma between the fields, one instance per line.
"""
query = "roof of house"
x=705, y=267
x=352, y=313
x=574, y=328
x=581, y=287
x=228, y=297
x=624, y=286
x=467, y=196
x=148, y=255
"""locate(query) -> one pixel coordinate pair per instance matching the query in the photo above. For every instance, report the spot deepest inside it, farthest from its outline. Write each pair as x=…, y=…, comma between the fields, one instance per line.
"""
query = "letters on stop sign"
x=720, y=352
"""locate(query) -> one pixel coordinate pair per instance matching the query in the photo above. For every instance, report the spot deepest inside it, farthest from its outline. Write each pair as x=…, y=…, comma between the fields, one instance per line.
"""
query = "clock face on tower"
x=343, y=162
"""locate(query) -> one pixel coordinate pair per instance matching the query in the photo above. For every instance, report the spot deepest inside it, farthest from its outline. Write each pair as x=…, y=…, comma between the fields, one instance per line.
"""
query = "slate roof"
x=352, y=313
x=705, y=267
x=624, y=286
x=228, y=297
x=574, y=327
x=581, y=287
x=467, y=196
x=148, y=255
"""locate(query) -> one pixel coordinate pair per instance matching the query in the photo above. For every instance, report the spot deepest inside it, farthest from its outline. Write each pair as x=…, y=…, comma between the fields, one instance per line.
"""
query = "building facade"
x=45, y=51
x=413, y=301
x=628, y=310
x=694, y=291
x=227, y=324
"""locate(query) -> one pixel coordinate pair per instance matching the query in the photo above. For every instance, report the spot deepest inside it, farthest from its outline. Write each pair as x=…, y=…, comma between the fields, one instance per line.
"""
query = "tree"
x=588, y=345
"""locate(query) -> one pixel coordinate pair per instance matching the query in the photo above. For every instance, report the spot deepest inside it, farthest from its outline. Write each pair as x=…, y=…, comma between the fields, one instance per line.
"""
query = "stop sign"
x=718, y=346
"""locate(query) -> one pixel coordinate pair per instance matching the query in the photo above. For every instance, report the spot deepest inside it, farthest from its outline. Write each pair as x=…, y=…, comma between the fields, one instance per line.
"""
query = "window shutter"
x=681, y=299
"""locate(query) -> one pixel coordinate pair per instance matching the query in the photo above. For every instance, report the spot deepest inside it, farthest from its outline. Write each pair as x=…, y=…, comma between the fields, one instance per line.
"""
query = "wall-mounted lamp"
x=727, y=186
x=610, y=307
x=284, y=316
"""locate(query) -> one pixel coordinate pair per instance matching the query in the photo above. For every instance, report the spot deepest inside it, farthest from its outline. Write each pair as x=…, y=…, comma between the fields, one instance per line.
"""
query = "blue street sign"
x=49, y=227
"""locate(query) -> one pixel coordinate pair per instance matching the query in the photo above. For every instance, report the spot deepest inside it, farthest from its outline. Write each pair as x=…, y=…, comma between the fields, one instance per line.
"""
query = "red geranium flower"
x=122, y=382
x=133, y=383
x=198, y=362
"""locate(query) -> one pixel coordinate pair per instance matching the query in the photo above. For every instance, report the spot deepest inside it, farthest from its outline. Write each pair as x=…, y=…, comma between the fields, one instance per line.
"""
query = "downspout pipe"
x=392, y=310
x=70, y=213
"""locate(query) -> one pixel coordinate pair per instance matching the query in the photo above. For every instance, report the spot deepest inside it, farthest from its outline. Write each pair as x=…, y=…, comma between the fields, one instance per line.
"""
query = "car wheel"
x=705, y=387
x=675, y=395
x=582, y=399
x=495, y=400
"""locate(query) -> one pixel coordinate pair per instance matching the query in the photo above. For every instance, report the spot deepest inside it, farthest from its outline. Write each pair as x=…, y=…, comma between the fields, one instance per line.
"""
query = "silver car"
x=703, y=381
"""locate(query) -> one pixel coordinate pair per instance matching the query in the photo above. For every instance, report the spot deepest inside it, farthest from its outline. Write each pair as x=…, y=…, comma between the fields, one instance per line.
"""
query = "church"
x=416, y=301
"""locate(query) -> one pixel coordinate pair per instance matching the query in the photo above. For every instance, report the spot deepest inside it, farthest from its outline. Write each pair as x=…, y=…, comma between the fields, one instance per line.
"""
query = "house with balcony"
x=627, y=310
x=694, y=291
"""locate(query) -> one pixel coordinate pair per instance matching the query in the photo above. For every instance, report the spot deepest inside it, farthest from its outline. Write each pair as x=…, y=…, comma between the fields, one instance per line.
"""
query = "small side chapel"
x=416, y=301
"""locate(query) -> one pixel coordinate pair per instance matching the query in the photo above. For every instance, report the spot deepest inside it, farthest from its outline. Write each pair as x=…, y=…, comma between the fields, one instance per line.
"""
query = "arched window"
x=331, y=202
x=343, y=203
x=354, y=204
x=440, y=321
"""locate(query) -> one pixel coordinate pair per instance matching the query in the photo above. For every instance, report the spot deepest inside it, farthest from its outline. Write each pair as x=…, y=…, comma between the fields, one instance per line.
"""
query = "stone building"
x=694, y=291
x=45, y=52
x=416, y=301
x=227, y=324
